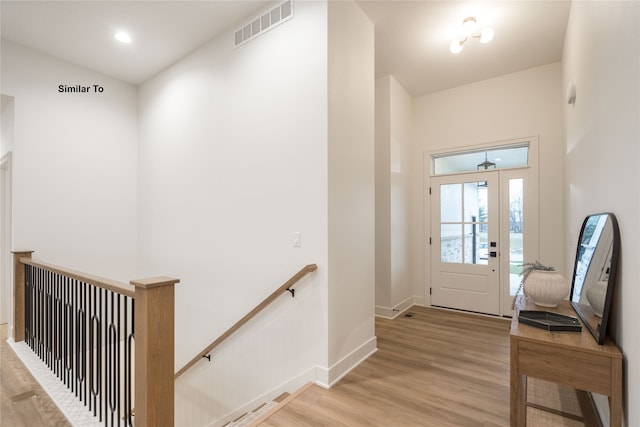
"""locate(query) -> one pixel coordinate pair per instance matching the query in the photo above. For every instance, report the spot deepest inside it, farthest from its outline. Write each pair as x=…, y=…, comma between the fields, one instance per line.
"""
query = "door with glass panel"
x=465, y=237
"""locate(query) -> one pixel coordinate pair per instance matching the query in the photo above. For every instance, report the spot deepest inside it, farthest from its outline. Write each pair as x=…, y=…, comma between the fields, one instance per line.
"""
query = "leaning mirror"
x=594, y=273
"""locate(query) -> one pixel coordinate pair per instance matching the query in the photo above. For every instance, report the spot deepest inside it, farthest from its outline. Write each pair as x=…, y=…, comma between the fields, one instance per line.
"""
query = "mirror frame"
x=599, y=333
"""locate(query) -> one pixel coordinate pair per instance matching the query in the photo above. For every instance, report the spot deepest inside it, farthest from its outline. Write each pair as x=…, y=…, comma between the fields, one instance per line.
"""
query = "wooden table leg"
x=518, y=391
x=615, y=400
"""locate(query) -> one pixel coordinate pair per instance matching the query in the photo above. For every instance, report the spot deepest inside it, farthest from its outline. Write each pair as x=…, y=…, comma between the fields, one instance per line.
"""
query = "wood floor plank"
x=23, y=402
x=437, y=368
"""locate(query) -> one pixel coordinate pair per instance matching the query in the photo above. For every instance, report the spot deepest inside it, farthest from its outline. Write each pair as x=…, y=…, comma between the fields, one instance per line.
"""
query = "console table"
x=570, y=358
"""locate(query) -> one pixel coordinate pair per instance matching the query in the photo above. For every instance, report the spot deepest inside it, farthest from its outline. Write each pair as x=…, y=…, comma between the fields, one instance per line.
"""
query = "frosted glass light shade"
x=486, y=35
x=122, y=37
x=455, y=46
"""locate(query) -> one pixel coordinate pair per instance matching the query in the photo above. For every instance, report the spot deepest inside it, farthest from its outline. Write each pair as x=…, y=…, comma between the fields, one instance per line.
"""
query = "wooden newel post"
x=18, y=294
x=154, y=359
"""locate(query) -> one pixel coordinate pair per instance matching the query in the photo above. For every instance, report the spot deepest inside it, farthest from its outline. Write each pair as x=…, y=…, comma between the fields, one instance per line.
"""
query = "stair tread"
x=248, y=418
x=282, y=397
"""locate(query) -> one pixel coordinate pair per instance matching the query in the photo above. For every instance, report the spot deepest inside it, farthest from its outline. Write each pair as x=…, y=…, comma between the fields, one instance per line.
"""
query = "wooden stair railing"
x=54, y=296
x=286, y=286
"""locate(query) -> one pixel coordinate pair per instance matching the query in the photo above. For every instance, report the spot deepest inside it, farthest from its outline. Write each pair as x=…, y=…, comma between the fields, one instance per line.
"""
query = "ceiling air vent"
x=271, y=19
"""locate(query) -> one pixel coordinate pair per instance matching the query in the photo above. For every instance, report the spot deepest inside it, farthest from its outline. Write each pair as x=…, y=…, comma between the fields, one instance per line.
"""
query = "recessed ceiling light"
x=123, y=37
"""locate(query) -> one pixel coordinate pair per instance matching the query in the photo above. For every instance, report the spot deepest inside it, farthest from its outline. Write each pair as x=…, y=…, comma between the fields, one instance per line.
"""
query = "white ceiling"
x=412, y=37
x=82, y=32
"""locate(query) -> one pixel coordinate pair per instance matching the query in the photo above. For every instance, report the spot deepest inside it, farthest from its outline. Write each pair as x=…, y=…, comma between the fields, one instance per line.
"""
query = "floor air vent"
x=271, y=19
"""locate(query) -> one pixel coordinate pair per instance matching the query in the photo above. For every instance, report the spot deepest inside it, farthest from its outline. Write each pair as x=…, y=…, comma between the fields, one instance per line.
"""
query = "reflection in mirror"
x=595, y=272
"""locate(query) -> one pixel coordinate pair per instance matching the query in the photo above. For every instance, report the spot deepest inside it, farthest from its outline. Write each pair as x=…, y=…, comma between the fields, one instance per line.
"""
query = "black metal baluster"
x=110, y=362
x=127, y=367
x=100, y=370
x=27, y=305
x=106, y=372
x=131, y=342
x=47, y=319
x=92, y=339
x=42, y=335
x=77, y=316
x=82, y=344
x=40, y=332
x=82, y=332
x=118, y=357
x=58, y=335
x=71, y=331
x=66, y=333
x=76, y=334
x=54, y=324
x=60, y=328
x=36, y=311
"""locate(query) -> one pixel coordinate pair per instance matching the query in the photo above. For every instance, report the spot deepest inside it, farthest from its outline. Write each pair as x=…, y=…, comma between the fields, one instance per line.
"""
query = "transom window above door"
x=502, y=157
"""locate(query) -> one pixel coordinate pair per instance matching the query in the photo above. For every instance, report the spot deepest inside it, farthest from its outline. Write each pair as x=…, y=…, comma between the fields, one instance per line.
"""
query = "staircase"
x=261, y=413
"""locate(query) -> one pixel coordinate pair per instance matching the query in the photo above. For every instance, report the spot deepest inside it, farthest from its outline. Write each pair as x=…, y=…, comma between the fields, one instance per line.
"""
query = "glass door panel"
x=516, y=233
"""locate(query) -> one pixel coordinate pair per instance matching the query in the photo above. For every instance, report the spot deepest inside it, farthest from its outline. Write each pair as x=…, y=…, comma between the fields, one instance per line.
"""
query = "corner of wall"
x=327, y=377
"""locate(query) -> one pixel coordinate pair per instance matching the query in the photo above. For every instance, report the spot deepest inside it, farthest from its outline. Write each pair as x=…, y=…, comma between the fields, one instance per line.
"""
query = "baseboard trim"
x=328, y=377
x=398, y=309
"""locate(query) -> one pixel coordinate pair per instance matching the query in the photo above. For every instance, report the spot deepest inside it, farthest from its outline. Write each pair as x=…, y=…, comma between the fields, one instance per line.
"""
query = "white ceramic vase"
x=547, y=288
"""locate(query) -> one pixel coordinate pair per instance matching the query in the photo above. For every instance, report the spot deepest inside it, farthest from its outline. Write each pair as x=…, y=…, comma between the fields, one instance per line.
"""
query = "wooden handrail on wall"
x=154, y=333
x=285, y=287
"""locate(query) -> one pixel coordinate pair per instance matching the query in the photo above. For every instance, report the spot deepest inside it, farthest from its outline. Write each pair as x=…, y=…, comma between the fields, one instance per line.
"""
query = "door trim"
x=6, y=262
x=531, y=212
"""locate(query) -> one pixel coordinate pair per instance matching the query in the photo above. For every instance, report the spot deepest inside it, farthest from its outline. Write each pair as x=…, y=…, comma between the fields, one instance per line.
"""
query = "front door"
x=465, y=237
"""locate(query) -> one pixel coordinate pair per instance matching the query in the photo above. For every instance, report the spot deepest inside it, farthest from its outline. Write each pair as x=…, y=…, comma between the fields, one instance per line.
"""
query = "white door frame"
x=6, y=264
x=531, y=212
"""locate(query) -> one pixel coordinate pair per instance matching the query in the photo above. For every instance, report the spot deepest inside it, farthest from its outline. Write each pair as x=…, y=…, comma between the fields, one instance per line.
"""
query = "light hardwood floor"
x=437, y=368
x=23, y=402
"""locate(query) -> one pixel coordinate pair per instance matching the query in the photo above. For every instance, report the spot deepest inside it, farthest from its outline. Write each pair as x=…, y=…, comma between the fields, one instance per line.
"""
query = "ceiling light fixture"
x=486, y=164
x=123, y=37
x=469, y=26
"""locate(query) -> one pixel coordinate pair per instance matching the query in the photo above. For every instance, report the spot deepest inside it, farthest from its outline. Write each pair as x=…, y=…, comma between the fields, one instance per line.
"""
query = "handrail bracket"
x=293, y=292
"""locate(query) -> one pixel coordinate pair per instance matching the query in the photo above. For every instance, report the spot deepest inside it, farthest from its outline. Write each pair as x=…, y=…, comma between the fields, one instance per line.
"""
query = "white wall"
x=394, y=284
x=6, y=125
x=351, y=206
x=6, y=258
x=74, y=164
x=601, y=55
x=233, y=160
x=383, y=195
x=516, y=105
